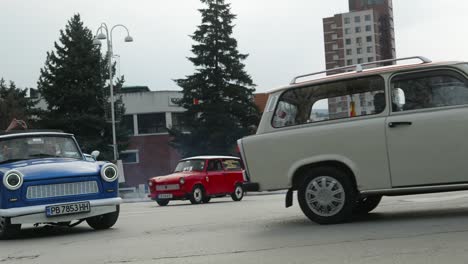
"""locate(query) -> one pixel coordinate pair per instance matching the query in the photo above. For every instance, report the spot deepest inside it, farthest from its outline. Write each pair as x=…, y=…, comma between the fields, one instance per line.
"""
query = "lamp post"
x=104, y=33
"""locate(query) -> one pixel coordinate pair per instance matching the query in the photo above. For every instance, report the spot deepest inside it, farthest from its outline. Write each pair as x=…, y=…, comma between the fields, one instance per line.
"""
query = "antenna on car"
x=359, y=67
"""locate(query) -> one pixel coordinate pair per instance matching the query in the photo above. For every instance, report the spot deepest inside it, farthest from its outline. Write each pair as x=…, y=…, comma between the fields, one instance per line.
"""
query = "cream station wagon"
x=345, y=140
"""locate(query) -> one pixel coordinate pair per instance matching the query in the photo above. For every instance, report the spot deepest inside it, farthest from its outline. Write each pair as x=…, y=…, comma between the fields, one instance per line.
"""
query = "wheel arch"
x=297, y=174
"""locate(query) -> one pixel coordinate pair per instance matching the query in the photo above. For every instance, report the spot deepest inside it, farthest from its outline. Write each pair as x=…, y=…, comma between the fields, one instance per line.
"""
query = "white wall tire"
x=327, y=195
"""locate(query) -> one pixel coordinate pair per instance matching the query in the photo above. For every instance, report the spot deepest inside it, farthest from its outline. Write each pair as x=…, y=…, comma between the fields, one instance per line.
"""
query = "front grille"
x=61, y=189
x=168, y=187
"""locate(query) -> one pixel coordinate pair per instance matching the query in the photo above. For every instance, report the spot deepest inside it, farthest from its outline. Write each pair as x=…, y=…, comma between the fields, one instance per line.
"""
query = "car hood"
x=40, y=169
x=176, y=176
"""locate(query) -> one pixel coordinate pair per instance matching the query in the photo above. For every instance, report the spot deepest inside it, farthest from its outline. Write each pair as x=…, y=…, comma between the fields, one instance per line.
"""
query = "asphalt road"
x=406, y=229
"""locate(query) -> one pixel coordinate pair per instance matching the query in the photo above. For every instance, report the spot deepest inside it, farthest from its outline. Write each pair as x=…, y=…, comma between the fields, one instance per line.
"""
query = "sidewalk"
x=137, y=197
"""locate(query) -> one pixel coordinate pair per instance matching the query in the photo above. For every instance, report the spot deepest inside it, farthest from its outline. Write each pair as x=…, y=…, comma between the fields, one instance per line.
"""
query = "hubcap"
x=197, y=194
x=238, y=192
x=325, y=196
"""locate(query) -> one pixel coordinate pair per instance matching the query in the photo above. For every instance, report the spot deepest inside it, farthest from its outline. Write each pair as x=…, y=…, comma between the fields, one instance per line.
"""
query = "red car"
x=199, y=179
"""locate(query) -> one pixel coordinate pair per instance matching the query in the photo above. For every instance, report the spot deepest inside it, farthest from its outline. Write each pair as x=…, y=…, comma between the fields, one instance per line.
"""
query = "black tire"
x=197, y=195
x=206, y=199
x=341, y=186
x=104, y=221
x=7, y=230
x=238, y=193
x=162, y=202
x=367, y=204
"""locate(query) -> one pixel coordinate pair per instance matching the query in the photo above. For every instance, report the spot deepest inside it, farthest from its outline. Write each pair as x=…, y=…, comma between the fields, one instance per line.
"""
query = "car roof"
x=366, y=72
x=211, y=157
x=21, y=133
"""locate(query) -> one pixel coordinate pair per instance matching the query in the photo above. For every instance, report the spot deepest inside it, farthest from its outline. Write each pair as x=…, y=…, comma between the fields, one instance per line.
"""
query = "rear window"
x=343, y=99
x=232, y=164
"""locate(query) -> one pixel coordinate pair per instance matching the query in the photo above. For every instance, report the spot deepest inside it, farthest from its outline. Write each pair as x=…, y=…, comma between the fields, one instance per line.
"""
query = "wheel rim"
x=325, y=196
x=197, y=194
x=238, y=192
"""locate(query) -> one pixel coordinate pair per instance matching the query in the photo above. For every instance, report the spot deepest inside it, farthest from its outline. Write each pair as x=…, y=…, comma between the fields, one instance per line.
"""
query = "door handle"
x=395, y=124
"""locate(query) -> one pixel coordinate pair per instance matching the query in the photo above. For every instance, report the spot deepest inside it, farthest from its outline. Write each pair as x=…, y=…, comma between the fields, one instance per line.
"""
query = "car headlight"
x=150, y=183
x=13, y=180
x=109, y=172
x=182, y=180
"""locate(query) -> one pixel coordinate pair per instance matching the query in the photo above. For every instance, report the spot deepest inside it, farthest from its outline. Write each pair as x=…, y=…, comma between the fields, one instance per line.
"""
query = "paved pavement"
x=407, y=229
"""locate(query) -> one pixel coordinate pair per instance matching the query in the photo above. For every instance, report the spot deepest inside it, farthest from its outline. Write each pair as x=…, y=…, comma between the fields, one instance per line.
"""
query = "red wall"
x=156, y=158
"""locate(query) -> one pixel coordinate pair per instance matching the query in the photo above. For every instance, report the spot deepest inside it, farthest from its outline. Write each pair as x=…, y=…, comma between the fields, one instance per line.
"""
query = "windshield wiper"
x=11, y=160
x=42, y=155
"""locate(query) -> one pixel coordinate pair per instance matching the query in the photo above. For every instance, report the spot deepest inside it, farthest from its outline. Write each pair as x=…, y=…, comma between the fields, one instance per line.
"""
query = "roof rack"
x=359, y=67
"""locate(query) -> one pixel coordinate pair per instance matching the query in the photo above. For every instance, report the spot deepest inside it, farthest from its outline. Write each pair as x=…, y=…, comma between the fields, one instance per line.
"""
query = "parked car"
x=345, y=140
x=198, y=179
x=46, y=179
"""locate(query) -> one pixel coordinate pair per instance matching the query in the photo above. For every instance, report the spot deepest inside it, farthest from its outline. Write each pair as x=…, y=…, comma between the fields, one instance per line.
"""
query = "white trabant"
x=345, y=140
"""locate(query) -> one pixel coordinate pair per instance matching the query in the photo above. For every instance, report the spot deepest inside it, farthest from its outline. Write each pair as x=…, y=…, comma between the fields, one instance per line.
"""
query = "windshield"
x=23, y=148
x=190, y=165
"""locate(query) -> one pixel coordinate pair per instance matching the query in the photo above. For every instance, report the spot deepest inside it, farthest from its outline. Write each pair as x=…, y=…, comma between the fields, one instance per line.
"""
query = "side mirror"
x=398, y=97
x=95, y=154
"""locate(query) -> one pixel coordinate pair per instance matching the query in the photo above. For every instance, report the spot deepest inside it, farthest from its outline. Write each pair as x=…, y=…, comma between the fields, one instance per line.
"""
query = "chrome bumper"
x=36, y=214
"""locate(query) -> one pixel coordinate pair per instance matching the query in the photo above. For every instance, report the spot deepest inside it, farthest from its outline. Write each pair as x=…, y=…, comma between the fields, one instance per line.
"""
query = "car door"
x=428, y=128
x=233, y=173
x=215, y=173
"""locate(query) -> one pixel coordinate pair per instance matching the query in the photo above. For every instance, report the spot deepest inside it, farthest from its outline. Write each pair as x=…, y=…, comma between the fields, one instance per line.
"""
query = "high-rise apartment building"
x=364, y=34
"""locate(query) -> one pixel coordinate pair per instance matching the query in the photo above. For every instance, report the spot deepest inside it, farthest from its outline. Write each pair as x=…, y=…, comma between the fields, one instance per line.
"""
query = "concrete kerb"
x=136, y=197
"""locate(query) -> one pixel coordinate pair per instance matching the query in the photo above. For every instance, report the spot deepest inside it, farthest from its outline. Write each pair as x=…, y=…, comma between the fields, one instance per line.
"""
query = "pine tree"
x=13, y=104
x=219, y=95
x=73, y=84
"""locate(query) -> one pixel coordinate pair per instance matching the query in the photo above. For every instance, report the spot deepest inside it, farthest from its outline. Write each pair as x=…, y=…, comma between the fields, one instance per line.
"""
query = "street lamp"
x=102, y=33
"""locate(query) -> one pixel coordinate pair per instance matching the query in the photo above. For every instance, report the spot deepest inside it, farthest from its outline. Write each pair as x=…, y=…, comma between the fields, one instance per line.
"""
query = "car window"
x=343, y=99
x=232, y=165
x=37, y=147
x=215, y=165
x=429, y=90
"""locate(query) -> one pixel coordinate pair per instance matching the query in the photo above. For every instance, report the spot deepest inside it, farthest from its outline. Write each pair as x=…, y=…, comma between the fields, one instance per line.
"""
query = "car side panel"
x=273, y=158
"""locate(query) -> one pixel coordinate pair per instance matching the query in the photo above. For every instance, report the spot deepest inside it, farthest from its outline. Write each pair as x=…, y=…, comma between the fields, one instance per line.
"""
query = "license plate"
x=165, y=196
x=70, y=208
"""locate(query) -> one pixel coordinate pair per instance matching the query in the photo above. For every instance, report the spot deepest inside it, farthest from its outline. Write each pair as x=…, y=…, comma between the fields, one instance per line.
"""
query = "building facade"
x=365, y=34
x=148, y=114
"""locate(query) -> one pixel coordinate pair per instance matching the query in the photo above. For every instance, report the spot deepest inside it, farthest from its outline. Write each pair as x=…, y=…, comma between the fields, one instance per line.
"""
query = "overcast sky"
x=283, y=38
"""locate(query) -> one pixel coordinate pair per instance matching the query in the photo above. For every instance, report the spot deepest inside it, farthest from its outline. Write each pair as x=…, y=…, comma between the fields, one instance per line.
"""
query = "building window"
x=333, y=26
x=369, y=38
x=335, y=46
x=347, y=20
x=367, y=17
x=152, y=123
x=370, y=50
x=358, y=29
x=347, y=31
x=178, y=121
x=348, y=41
x=129, y=156
x=334, y=36
x=358, y=40
x=370, y=59
x=360, y=60
x=127, y=124
x=359, y=50
x=357, y=19
x=368, y=28
x=349, y=52
x=349, y=62
x=336, y=57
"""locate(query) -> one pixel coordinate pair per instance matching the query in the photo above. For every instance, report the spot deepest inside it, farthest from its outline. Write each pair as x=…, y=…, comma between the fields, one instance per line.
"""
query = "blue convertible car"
x=46, y=179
